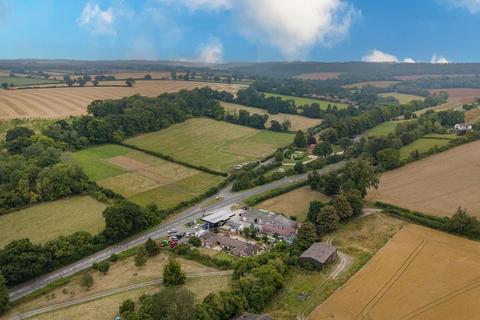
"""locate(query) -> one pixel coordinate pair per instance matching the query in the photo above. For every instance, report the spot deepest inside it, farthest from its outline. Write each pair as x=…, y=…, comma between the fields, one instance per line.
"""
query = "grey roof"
x=251, y=316
x=268, y=217
x=248, y=248
x=218, y=216
x=319, y=251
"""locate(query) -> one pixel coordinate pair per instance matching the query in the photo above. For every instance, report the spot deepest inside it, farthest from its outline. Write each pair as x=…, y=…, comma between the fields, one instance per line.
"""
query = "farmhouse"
x=234, y=246
x=462, y=128
x=319, y=254
x=269, y=222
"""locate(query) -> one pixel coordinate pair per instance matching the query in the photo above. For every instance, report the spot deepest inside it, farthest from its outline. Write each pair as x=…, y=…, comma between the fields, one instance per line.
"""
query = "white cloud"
x=471, y=5
x=438, y=59
x=409, y=60
x=96, y=20
x=211, y=52
x=293, y=27
x=379, y=56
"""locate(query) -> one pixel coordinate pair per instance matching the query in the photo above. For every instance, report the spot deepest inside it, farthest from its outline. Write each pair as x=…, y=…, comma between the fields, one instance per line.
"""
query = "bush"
x=195, y=241
x=173, y=274
x=103, y=267
x=126, y=306
x=86, y=280
x=114, y=257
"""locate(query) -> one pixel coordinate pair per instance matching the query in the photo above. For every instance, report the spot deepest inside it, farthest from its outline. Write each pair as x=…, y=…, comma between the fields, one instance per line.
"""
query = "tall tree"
x=300, y=141
x=327, y=219
x=323, y=149
x=360, y=174
x=4, y=295
x=173, y=274
x=152, y=247
x=140, y=257
x=342, y=206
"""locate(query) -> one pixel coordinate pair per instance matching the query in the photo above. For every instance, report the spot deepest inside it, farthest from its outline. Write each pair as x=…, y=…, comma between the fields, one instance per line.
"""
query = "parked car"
x=172, y=231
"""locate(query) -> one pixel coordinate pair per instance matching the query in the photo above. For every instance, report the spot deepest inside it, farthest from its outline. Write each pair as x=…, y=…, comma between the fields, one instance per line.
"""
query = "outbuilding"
x=319, y=254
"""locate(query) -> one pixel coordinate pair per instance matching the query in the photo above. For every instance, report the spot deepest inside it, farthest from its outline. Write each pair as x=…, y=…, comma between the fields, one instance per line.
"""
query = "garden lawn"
x=213, y=144
x=301, y=101
x=49, y=220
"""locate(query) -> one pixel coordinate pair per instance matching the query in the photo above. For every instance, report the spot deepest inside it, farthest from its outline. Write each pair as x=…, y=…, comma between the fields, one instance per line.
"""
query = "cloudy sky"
x=438, y=31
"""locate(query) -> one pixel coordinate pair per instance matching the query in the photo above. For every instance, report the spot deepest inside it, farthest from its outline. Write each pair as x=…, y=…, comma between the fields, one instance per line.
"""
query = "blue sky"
x=242, y=30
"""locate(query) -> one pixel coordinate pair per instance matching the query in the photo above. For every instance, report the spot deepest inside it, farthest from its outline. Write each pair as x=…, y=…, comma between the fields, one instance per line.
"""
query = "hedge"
x=171, y=159
x=274, y=193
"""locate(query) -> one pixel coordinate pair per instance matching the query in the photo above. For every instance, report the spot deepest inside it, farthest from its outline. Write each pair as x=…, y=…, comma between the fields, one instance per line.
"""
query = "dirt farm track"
x=62, y=102
x=436, y=185
x=419, y=274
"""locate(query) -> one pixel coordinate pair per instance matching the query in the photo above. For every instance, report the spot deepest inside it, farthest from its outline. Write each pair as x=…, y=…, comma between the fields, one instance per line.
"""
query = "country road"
x=107, y=293
x=178, y=222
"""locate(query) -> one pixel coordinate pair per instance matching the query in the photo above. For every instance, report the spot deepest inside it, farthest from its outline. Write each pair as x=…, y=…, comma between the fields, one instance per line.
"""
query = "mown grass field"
x=300, y=101
x=214, y=144
x=47, y=221
x=423, y=145
x=383, y=129
x=298, y=122
x=121, y=273
x=23, y=81
x=402, y=97
x=294, y=203
x=140, y=177
x=360, y=239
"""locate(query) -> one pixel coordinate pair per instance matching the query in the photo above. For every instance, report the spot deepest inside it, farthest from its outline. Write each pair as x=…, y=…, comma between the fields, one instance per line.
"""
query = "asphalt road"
x=160, y=231
x=107, y=293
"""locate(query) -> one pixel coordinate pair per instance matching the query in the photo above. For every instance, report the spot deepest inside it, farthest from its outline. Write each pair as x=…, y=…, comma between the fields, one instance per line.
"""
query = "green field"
x=214, y=144
x=402, y=97
x=383, y=129
x=140, y=177
x=300, y=101
x=23, y=81
x=48, y=220
x=422, y=145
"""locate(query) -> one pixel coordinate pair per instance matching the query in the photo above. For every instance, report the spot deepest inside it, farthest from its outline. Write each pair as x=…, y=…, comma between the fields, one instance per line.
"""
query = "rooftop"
x=270, y=217
x=222, y=240
x=319, y=251
x=218, y=216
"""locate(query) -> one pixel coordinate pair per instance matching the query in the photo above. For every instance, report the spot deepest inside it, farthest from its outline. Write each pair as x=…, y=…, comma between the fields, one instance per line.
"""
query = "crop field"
x=48, y=220
x=140, y=177
x=424, y=144
x=294, y=203
x=298, y=122
x=383, y=129
x=23, y=81
x=420, y=274
x=63, y=102
x=318, y=75
x=300, y=101
x=214, y=144
x=359, y=239
x=436, y=185
x=378, y=84
x=121, y=273
x=402, y=97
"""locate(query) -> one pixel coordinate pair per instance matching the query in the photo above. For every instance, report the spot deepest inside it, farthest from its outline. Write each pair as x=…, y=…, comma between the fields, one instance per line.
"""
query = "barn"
x=319, y=254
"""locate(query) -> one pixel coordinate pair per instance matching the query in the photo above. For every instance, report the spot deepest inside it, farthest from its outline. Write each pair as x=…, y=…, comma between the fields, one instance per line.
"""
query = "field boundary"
x=171, y=159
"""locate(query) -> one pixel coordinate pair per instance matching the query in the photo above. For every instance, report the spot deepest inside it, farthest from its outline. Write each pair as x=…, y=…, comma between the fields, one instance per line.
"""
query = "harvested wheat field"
x=298, y=122
x=419, y=274
x=63, y=102
x=436, y=185
x=460, y=95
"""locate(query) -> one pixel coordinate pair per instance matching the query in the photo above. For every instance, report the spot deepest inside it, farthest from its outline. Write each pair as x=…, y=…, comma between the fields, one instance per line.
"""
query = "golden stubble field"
x=419, y=274
x=63, y=102
x=436, y=185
